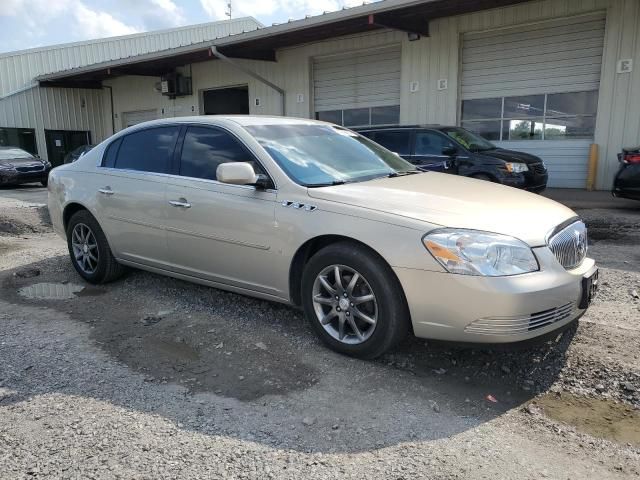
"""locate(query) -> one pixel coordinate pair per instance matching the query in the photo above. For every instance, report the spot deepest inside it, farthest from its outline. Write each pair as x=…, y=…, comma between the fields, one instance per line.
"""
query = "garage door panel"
x=543, y=35
x=591, y=73
x=492, y=70
x=563, y=49
x=359, y=79
x=560, y=58
x=553, y=26
x=138, y=116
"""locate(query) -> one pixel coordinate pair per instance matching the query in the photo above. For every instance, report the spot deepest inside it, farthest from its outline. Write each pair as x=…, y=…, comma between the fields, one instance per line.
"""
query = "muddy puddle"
x=599, y=418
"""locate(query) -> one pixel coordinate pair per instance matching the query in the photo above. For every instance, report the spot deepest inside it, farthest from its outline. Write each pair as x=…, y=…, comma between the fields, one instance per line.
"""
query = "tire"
x=388, y=307
x=103, y=268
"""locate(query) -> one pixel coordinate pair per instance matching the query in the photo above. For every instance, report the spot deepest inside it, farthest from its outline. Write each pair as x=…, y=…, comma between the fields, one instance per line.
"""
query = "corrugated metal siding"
x=556, y=56
x=565, y=159
x=17, y=69
x=56, y=109
x=363, y=79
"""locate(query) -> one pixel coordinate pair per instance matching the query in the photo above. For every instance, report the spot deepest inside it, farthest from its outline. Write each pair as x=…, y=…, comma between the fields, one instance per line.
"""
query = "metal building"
x=551, y=77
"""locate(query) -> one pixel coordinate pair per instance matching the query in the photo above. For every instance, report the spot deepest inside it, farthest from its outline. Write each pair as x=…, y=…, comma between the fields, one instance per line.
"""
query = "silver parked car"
x=315, y=215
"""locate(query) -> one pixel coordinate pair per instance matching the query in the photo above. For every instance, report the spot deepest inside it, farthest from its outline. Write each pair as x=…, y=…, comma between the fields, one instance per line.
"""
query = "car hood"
x=453, y=201
x=510, y=155
x=19, y=162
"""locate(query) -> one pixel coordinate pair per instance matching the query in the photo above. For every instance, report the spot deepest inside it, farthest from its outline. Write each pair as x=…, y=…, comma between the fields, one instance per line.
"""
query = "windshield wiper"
x=326, y=184
x=403, y=174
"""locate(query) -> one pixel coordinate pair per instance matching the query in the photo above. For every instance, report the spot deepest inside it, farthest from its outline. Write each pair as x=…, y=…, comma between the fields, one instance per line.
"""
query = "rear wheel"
x=353, y=301
x=89, y=250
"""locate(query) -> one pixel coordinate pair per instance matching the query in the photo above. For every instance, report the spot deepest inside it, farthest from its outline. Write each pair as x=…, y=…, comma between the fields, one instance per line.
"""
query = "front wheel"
x=353, y=301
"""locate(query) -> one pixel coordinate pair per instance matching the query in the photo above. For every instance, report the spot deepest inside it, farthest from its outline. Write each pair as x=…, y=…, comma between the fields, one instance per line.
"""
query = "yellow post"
x=593, y=166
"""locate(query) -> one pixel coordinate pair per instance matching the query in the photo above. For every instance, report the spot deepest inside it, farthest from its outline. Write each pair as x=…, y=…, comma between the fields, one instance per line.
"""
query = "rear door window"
x=398, y=141
x=148, y=150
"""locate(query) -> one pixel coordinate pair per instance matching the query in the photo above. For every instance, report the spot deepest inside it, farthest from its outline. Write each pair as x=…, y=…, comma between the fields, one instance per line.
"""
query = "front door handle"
x=106, y=191
x=182, y=203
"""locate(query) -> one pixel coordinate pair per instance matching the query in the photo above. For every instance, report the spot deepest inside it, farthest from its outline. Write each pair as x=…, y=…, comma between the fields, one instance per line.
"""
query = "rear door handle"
x=106, y=191
x=182, y=203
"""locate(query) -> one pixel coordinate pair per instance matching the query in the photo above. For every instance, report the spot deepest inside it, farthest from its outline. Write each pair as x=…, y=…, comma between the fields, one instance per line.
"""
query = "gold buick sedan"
x=315, y=215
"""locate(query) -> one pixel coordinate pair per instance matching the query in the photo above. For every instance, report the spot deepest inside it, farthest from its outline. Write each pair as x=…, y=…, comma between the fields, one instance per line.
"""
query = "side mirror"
x=449, y=151
x=236, y=173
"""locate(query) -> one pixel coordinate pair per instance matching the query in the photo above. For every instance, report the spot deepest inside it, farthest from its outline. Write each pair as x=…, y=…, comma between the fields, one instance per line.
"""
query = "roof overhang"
x=412, y=16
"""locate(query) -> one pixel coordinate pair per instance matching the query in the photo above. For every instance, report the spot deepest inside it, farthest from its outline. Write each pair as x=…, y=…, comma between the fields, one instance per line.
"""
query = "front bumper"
x=476, y=309
x=531, y=181
x=16, y=178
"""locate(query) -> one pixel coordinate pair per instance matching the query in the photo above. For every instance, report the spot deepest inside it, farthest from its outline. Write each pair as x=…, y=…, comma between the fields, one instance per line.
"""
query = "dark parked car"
x=18, y=166
x=76, y=153
x=627, y=181
x=459, y=151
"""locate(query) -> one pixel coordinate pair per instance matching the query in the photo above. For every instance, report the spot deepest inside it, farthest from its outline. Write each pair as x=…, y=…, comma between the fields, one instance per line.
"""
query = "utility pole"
x=228, y=12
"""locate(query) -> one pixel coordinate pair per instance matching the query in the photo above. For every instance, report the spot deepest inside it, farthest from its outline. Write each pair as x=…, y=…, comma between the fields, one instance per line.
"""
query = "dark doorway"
x=226, y=101
x=24, y=138
x=61, y=142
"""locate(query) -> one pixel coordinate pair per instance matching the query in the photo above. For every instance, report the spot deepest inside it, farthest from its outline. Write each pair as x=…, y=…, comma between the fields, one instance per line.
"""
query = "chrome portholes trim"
x=570, y=244
x=85, y=248
x=345, y=304
x=299, y=206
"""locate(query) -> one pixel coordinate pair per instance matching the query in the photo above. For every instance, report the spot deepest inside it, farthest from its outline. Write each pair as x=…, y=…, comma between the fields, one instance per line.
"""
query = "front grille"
x=518, y=325
x=537, y=168
x=30, y=168
x=569, y=245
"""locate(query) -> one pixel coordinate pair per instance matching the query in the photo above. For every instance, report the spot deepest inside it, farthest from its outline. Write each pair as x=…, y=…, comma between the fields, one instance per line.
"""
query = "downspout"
x=113, y=120
x=253, y=74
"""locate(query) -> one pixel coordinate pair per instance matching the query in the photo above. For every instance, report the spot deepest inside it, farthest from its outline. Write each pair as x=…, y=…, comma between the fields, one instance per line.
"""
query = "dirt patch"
x=597, y=417
x=613, y=230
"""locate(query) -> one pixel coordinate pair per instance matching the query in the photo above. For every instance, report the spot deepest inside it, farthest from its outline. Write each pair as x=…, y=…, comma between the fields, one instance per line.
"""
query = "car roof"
x=434, y=126
x=244, y=120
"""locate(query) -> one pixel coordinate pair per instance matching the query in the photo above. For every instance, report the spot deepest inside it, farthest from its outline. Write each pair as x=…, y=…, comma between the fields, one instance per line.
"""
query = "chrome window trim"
x=179, y=125
x=182, y=177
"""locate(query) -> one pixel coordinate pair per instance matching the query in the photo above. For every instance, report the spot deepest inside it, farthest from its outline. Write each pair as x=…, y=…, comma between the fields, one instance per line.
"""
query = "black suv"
x=459, y=151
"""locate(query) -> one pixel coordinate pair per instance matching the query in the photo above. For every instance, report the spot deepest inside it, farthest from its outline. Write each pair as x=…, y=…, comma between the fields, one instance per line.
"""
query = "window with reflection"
x=551, y=116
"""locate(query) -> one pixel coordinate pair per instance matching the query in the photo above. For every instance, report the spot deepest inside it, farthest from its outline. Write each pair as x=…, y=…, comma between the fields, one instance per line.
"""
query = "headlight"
x=46, y=163
x=516, y=167
x=472, y=252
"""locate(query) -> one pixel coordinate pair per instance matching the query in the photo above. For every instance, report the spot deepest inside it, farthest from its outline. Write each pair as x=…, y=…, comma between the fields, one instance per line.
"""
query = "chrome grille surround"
x=570, y=244
x=518, y=325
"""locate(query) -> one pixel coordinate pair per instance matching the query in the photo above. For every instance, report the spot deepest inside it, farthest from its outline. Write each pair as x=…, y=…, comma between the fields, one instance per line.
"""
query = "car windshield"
x=469, y=140
x=319, y=155
x=12, y=153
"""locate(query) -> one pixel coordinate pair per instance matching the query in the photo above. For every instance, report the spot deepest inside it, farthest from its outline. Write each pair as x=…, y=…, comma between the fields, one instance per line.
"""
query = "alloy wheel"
x=345, y=304
x=85, y=248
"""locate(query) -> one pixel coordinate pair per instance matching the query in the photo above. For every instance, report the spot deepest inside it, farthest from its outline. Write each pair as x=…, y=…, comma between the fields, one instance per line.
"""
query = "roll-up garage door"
x=557, y=56
x=138, y=116
x=357, y=82
x=534, y=88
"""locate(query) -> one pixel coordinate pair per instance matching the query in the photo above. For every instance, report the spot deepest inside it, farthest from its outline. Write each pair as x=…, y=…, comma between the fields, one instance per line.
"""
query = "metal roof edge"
x=58, y=46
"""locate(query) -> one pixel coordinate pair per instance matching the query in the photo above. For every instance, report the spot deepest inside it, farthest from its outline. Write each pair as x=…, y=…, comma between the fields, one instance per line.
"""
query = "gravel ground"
x=151, y=377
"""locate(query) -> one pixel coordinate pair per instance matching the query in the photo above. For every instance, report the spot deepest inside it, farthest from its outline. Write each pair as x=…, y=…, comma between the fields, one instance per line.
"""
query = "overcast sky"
x=34, y=23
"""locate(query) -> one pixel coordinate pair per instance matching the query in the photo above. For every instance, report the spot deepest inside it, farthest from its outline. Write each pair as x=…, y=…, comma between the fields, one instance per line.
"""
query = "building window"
x=362, y=117
x=551, y=116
